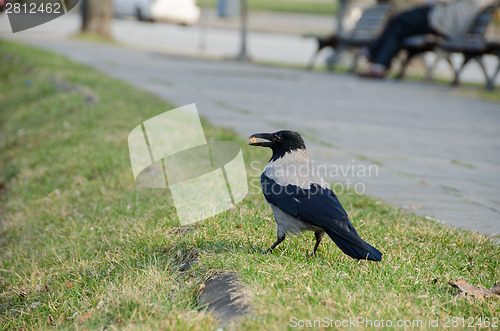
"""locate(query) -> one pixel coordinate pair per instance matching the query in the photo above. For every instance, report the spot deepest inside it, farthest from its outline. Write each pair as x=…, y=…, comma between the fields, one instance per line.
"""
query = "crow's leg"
x=319, y=235
x=278, y=241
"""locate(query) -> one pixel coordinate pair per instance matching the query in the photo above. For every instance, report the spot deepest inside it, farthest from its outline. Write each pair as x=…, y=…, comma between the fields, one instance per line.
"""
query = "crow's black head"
x=280, y=142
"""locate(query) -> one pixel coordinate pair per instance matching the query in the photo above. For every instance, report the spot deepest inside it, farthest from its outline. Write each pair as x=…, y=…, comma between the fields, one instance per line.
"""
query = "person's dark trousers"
x=406, y=24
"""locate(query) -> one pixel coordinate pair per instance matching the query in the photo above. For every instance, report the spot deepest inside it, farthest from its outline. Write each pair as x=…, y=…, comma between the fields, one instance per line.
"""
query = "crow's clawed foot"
x=262, y=251
x=310, y=256
x=255, y=250
x=266, y=251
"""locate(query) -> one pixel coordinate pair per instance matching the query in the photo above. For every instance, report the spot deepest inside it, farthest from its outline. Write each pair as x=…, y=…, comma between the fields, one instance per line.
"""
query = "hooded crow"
x=302, y=200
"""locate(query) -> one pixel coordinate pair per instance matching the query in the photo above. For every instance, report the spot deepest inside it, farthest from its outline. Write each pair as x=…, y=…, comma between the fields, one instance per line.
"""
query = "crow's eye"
x=277, y=137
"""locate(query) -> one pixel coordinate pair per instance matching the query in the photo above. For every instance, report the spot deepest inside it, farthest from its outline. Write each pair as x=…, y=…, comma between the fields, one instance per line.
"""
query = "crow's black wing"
x=320, y=207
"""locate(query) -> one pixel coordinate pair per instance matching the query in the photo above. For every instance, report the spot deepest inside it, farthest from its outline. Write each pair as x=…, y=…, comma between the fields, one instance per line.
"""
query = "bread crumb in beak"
x=253, y=140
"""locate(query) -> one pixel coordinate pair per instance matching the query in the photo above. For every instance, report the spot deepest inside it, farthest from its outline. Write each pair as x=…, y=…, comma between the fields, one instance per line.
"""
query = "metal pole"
x=243, y=56
x=202, y=42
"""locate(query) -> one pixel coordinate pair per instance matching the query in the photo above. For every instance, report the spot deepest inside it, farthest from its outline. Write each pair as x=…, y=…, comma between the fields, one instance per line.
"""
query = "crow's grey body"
x=293, y=169
x=302, y=200
x=286, y=223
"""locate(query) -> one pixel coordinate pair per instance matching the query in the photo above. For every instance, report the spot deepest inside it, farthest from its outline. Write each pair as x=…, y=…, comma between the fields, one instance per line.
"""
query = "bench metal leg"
x=355, y=61
x=479, y=60
x=312, y=61
x=404, y=65
x=447, y=57
x=333, y=59
x=491, y=83
x=467, y=58
x=409, y=56
x=321, y=44
x=430, y=69
x=329, y=41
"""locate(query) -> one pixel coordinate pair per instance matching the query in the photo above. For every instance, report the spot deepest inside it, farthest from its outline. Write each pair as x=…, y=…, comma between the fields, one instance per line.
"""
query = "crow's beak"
x=261, y=139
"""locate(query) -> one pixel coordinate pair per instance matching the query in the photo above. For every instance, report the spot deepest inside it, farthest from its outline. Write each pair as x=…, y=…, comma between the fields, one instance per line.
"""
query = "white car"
x=175, y=11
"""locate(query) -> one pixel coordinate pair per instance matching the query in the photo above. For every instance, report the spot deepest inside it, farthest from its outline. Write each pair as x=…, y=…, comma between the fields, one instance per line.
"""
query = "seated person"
x=447, y=19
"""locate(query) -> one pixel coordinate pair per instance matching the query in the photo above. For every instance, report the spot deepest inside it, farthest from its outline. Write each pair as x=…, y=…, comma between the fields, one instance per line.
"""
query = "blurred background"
x=434, y=144
x=277, y=32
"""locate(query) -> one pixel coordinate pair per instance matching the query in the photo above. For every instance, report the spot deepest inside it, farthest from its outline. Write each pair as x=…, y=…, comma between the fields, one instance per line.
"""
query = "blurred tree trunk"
x=97, y=16
x=70, y=4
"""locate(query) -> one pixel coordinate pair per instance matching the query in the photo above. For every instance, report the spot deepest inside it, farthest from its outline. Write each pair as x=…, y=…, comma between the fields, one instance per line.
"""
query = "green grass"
x=328, y=8
x=82, y=248
x=295, y=6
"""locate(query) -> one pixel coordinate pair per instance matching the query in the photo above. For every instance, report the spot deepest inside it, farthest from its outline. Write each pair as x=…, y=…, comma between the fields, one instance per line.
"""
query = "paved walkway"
x=437, y=152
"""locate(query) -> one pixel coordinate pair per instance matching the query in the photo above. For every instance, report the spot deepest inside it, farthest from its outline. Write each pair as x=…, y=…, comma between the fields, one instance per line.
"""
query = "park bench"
x=369, y=26
x=472, y=45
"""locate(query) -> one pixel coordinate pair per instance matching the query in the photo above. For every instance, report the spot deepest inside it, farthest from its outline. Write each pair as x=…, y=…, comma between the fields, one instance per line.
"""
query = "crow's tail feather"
x=361, y=250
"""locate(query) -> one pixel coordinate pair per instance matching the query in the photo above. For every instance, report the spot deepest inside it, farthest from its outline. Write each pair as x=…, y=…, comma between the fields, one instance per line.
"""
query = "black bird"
x=302, y=200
